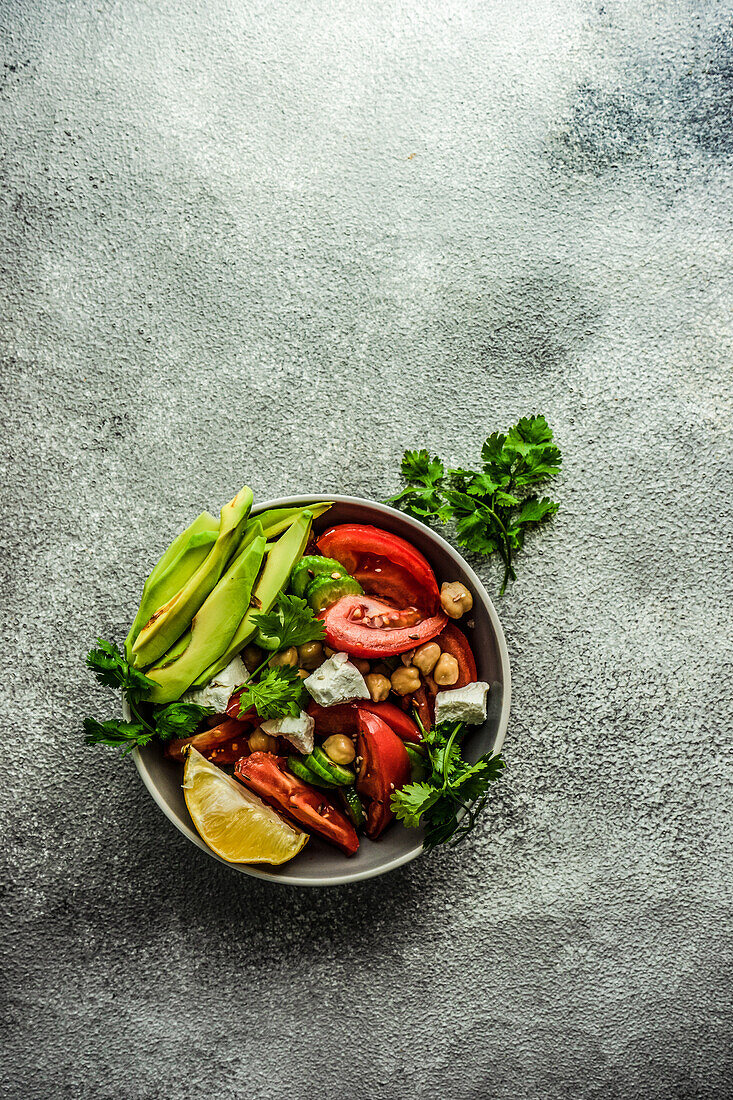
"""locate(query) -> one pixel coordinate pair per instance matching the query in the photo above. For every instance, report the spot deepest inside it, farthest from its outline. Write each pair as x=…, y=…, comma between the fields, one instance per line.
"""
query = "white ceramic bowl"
x=319, y=864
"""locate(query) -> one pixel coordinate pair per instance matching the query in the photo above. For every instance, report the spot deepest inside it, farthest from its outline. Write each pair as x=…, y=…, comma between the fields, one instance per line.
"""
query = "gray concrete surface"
x=277, y=243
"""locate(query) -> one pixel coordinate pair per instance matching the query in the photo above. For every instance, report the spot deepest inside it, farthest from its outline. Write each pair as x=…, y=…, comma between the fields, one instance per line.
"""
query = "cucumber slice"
x=353, y=806
x=420, y=770
x=312, y=566
x=322, y=763
x=299, y=769
x=323, y=591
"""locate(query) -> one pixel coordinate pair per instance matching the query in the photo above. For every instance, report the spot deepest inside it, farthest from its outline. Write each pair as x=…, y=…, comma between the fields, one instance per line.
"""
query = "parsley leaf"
x=291, y=622
x=277, y=694
x=124, y=735
x=450, y=800
x=493, y=507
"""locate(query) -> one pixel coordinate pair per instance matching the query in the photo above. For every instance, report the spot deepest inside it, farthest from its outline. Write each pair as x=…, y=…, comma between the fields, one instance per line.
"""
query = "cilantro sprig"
x=291, y=622
x=453, y=788
x=177, y=720
x=277, y=694
x=494, y=507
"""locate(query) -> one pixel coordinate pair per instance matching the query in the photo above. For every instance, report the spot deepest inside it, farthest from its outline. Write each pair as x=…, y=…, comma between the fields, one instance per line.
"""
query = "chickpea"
x=310, y=655
x=284, y=657
x=339, y=748
x=379, y=686
x=455, y=599
x=259, y=741
x=252, y=656
x=407, y=680
x=406, y=658
x=426, y=657
x=364, y=667
x=328, y=651
x=445, y=672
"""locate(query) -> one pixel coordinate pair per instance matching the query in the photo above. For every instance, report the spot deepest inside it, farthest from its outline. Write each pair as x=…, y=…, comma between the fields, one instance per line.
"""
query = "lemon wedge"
x=235, y=823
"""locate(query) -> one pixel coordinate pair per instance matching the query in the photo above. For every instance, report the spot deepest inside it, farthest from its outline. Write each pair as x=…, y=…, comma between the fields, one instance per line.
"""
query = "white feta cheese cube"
x=337, y=681
x=466, y=704
x=219, y=690
x=298, y=731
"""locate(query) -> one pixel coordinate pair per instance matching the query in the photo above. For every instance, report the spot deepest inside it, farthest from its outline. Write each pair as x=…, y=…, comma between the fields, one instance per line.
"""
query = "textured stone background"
x=277, y=243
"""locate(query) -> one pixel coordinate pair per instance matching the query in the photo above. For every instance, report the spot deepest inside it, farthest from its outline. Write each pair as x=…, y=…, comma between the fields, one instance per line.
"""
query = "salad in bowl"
x=314, y=690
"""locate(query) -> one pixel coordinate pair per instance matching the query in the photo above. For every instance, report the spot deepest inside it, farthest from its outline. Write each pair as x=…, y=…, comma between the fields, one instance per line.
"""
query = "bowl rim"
x=255, y=870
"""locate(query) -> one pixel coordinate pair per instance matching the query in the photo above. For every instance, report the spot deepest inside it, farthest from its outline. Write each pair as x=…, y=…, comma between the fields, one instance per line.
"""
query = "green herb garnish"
x=291, y=622
x=494, y=507
x=277, y=694
x=175, y=720
x=453, y=787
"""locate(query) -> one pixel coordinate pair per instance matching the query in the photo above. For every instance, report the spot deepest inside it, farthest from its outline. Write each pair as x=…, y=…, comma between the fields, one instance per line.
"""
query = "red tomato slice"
x=384, y=564
x=366, y=627
x=343, y=718
x=454, y=641
x=385, y=767
x=210, y=739
x=233, y=709
x=268, y=777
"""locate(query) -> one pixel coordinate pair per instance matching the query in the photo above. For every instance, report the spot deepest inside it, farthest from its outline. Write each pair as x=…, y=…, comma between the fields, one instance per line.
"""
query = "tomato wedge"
x=384, y=564
x=366, y=627
x=210, y=739
x=268, y=777
x=385, y=767
x=343, y=718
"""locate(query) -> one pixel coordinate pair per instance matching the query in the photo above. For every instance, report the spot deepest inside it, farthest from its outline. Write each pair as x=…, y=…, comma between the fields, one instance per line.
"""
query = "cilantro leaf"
x=179, y=719
x=424, y=477
x=494, y=507
x=449, y=801
x=124, y=735
x=291, y=622
x=535, y=511
x=277, y=694
x=418, y=468
x=112, y=670
x=412, y=801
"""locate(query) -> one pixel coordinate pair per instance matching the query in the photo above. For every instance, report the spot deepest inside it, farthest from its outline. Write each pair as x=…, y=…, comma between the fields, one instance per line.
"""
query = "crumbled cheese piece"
x=298, y=731
x=337, y=681
x=466, y=704
x=218, y=691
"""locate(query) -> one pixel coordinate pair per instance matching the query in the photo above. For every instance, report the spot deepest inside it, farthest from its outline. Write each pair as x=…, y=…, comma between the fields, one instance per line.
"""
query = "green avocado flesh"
x=179, y=563
x=170, y=620
x=276, y=520
x=212, y=627
x=278, y=565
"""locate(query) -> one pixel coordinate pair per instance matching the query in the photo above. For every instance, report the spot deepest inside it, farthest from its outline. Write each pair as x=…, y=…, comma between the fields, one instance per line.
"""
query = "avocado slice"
x=177, y=565
x=252, y=531
x=212, y=627
x=276, y=520
x=286, y=551
x=171, y=619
